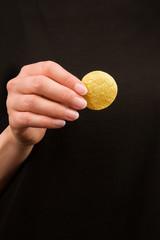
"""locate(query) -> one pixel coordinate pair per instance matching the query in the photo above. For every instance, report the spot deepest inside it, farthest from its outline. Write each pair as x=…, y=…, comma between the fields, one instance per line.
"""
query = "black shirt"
x=98, y=177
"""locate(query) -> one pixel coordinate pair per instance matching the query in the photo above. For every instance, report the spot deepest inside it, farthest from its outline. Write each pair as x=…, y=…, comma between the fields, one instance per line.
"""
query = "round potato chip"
x=102, y=90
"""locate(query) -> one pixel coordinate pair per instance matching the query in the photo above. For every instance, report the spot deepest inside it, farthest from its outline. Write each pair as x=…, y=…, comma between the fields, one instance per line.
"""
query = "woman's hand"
x=43, y=95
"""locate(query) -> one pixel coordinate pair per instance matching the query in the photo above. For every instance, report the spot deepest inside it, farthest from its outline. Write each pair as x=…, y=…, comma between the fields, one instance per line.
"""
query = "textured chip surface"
x=102, y=89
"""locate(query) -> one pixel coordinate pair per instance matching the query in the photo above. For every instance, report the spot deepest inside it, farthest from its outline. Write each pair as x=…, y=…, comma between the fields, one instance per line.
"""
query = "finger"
x=55, y=72
x=43, y=86
x=41, y=106
x=28, y=119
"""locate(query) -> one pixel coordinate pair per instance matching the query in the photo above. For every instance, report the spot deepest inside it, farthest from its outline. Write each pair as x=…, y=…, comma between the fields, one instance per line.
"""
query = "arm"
x=43, y=95
x=12, y=155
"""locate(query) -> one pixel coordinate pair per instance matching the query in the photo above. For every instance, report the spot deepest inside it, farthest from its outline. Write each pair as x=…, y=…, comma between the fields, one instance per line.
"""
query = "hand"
x=42, y=96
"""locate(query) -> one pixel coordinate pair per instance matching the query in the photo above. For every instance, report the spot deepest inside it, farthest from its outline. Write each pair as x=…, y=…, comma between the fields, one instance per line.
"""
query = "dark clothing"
x=98, y=177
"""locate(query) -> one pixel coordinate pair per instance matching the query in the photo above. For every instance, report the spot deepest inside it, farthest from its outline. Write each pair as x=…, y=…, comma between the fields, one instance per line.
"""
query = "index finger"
x=57, y=73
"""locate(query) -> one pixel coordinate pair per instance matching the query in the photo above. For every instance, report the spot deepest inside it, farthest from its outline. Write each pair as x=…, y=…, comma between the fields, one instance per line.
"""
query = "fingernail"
x=72, y=115
x=59, y=123
x=80, y=103
x=80, y=89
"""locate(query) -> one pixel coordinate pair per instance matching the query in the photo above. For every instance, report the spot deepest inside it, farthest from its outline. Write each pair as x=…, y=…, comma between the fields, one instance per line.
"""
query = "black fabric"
x=98, y=177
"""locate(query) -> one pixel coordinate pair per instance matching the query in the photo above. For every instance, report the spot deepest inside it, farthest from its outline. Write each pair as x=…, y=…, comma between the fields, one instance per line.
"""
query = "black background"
x=98, y=177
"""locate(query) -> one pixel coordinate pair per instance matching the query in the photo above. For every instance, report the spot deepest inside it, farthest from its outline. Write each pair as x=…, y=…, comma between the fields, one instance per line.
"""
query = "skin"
x=43, y=95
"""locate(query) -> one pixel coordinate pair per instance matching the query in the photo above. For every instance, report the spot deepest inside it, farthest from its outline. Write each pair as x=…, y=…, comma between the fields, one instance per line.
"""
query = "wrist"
x=15, y=141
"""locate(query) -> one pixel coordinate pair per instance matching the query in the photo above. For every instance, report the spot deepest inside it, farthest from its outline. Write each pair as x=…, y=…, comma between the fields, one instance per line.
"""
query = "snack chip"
x=102, y=90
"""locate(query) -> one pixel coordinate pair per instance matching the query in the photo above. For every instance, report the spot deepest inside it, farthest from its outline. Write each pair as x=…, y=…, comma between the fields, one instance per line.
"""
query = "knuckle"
x=48, y=62
x=69, y=78
x=22, y=119
x=44, y=121
x=10, y=85
x=57, y=111
x=66, y=95
x=14, y=120
x=24, y=69
x=36, y=83
x=47, y=65
x=28, y=101
x=9, y=108
x=8, y=102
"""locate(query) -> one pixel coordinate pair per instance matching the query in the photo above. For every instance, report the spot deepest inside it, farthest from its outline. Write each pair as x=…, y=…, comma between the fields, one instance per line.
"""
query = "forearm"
x=12, y=155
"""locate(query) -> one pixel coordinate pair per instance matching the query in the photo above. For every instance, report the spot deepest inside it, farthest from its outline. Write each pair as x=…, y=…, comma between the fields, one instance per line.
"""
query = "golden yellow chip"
x=102, y=90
